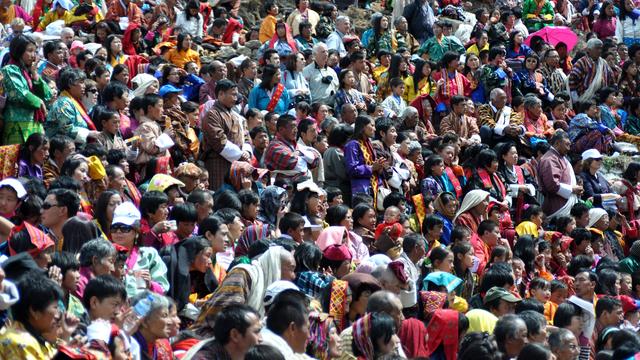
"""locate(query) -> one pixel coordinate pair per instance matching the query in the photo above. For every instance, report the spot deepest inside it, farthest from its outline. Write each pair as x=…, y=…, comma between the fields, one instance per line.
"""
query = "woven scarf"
x=80, y=107
x=277, y=93
x=447, y=90
x=338, y=303
x=362, y=336
x=369, y=157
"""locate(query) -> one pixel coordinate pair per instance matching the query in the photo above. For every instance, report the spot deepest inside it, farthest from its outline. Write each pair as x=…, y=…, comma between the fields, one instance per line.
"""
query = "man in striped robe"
x=590, y=73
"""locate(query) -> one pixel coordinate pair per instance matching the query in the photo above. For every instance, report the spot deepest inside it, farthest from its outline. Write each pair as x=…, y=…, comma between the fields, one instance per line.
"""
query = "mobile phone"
x=173, y=225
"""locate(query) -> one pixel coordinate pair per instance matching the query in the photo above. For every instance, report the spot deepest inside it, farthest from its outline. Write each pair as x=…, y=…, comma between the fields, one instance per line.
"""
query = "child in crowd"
x=532, y=224
x=394, y=104
x=540, y=289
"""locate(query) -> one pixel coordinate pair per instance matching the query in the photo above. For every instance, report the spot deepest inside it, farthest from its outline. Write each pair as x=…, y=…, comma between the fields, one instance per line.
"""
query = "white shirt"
x=193, y=26
x=321, y=92
x=334, y=42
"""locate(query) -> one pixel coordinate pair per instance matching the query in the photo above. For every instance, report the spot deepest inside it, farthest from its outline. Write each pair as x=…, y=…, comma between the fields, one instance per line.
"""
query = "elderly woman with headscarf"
x=472, y=212
x=339, y=235
x=243, y=175
x=612, y=243
x=272, y=201
x=247, y=283
x=144, y=84
x=372, y=344
x=251, y=235
x=324, y=339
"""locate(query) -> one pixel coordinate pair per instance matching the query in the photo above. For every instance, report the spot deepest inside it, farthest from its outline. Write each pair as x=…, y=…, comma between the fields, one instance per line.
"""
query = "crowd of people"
x=410, y=191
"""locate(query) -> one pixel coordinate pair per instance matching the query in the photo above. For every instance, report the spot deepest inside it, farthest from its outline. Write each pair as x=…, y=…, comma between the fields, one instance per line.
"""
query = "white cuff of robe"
x=565, y=191
x=81, y=135
x=231, y=152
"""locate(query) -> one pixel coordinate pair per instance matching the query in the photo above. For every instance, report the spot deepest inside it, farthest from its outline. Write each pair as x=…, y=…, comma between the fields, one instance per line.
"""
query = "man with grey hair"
x=494, y=119
x=564, y=345
x=590, y=74
x=511, y=335
x=322, y=79
x=66, y=36
x=334, y=40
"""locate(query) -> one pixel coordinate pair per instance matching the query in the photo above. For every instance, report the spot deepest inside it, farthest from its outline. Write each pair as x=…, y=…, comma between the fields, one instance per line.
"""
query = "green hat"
x=497, y=292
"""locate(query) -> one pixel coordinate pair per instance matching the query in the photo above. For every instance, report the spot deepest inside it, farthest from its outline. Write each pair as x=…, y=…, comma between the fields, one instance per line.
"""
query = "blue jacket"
x=259, y=99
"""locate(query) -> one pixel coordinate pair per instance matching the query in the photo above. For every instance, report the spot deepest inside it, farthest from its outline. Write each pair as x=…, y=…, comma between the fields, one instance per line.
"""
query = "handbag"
x=383, y=192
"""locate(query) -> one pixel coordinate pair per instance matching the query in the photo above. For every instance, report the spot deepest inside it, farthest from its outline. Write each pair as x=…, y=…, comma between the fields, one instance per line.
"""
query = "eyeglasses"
x=93, y=91
x=121, y=228
x=47, y=206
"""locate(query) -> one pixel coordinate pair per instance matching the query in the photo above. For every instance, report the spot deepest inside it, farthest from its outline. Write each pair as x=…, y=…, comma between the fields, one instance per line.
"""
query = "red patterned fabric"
x=443, y=330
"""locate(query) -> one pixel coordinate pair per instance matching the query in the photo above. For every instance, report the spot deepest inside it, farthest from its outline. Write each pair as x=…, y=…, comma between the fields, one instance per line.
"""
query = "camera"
x=327, y=79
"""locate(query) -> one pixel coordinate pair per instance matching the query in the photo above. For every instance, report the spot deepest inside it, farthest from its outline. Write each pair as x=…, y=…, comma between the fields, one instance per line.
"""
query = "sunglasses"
x=121, y=228
x=94, y=90
x=47, y=206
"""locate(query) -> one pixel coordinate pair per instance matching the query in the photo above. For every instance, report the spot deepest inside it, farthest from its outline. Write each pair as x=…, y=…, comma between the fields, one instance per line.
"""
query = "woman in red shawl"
x=283, y=41
x=445, y=329
x=413, y=337
x=131, y=41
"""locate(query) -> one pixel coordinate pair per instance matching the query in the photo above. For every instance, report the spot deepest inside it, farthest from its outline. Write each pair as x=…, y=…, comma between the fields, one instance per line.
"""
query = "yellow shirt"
x=409, y=90
x=426, y=87
x=181, y=58
x=473, y=49
x=379, y=71
x=17, y=343
x=72, y=18
x=53, y=16
x=267, y=28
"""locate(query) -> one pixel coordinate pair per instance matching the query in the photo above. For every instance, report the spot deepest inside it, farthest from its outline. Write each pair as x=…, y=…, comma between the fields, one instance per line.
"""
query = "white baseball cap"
x=126, y=213
x=591, y=154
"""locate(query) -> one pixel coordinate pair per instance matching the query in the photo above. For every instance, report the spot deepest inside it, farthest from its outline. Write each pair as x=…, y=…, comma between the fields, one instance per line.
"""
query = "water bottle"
x=140, y=310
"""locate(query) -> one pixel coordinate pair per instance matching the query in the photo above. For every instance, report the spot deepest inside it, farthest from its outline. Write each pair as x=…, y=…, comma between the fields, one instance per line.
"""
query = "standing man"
x=322, y=79
x=559, y=185
x=282, y=156
x=223, y=135
x=421, y=18
x=590, y=74
x=307, y=137
x=216, y=71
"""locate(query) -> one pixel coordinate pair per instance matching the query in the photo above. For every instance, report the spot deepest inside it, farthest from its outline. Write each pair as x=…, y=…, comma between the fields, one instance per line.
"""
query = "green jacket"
x=21, y=103
x=529, y=14
x=630, y=264
x=437, y=49
x=65, y=119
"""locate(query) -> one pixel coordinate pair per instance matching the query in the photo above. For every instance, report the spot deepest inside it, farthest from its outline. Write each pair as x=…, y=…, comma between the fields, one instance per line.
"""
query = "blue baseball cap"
x=169, y=89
